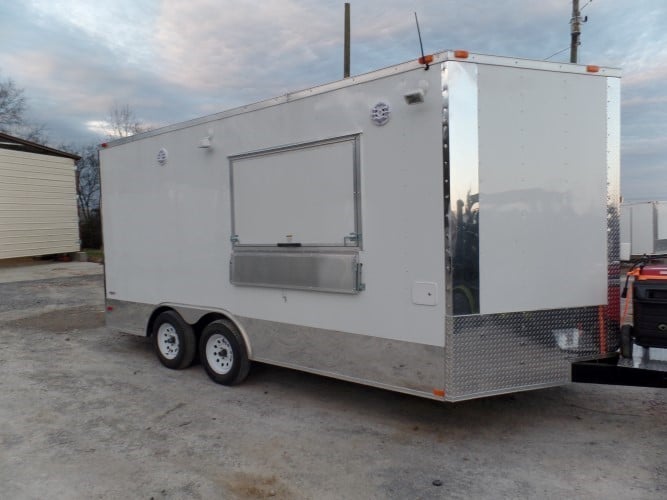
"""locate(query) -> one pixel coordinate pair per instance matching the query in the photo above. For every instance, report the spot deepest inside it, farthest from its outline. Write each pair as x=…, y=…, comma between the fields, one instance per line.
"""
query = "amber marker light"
x=592, y=68
x=426, y=59
x=461, y=54
x=439, y=393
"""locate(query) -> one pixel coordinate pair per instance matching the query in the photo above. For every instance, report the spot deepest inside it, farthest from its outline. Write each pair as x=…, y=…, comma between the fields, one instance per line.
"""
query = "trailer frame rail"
x=614, y=370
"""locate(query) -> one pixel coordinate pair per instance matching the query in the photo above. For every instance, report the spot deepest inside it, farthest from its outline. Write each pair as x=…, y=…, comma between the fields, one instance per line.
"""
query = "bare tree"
x=30, y=132
x=122, y=122
x=13, y=108
x=12, y=105
x=88, y=193
x=88, y=181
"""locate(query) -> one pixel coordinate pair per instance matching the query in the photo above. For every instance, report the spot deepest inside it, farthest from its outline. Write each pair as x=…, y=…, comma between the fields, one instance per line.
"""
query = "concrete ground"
x=89, y=414
x=12, y=270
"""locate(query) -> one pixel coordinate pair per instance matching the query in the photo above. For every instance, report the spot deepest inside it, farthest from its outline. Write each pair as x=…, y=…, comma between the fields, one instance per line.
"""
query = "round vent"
x=162, y=157
x=380, y=113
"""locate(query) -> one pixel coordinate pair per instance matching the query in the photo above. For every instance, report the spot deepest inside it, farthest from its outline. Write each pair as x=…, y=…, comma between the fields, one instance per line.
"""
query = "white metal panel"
x=626, y=231
x=424, y=294
x=543, y=190
x=306, y=193
x=167, y=229
x=643, y=228
x=625, y=252
x=661, y=216
x=38, y=209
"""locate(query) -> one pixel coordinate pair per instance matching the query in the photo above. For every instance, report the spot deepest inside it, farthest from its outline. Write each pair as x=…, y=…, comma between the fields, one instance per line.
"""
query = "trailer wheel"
x=223, y=353
x=626, y=341
x=174, y=341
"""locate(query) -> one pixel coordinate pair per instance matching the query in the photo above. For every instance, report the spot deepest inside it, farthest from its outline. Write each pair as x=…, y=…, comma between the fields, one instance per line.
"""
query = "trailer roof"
x=437, y=58
x=17, y=144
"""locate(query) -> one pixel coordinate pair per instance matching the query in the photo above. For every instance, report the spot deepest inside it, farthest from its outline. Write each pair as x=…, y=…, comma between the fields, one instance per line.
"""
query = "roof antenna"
x=423, y=59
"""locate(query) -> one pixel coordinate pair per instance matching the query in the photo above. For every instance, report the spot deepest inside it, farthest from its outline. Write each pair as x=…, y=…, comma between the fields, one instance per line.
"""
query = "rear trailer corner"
x=532, y=235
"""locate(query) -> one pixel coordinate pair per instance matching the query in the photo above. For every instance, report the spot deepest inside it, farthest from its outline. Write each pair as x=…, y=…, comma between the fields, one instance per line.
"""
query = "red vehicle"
x=648, y=292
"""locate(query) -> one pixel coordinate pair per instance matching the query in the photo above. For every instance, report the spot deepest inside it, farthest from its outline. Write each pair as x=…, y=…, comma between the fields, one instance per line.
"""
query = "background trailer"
x=643, y=228
x=450, y=232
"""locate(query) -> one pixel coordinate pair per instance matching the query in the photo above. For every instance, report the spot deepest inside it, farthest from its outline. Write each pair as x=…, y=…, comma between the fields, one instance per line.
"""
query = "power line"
x=556, y=53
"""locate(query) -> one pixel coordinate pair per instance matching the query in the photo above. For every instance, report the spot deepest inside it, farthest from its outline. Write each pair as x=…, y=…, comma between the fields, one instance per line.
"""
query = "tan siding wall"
x=38, y=213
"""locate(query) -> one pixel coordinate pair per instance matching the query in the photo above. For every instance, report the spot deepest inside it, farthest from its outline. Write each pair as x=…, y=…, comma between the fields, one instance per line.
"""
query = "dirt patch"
x=64, y=320
x=246, y=485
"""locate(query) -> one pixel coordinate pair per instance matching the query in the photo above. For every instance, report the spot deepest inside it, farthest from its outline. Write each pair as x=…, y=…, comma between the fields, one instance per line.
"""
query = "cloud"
x=173, y=60
x=646, y=146
x=653, y=72
x=644, y=101
x=206, y=45
x=98, y=127
x=122, y=26
x=267, y=48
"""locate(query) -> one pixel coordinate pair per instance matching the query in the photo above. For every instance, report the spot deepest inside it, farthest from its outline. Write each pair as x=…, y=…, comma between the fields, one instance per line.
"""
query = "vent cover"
x=380, y=113
x=162, y=157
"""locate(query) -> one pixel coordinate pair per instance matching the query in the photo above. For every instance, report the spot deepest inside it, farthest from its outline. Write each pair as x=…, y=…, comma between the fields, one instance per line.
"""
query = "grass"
x=94, y=255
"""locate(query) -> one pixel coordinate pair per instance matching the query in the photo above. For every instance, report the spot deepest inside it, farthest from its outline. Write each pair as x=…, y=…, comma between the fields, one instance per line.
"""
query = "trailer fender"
x=199, y=318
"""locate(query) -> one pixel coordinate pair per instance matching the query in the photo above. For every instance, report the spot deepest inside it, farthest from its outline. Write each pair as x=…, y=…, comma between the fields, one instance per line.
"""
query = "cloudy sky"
x=173, y=60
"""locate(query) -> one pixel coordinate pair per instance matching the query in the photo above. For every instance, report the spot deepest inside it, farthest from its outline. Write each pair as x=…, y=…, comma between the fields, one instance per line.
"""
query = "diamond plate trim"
x=497, y=353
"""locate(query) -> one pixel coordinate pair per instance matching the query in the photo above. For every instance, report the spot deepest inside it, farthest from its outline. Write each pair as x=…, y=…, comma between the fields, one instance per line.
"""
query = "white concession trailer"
x=446, y=230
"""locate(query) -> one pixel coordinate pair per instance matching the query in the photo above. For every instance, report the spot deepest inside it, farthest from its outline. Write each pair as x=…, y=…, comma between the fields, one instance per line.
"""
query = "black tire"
x=223, y=353
x=626, y=341
x=174, y=341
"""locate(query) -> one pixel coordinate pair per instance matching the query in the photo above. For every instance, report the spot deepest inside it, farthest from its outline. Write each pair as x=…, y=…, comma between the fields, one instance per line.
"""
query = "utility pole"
x=575, y=23
x=346, y=56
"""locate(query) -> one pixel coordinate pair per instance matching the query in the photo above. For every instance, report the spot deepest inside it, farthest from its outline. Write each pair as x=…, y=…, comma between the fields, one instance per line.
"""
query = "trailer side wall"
x=168, y=229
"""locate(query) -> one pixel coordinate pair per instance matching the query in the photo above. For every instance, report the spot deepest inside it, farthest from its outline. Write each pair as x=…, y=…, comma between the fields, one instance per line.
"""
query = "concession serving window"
x=296, y=219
